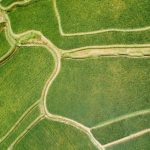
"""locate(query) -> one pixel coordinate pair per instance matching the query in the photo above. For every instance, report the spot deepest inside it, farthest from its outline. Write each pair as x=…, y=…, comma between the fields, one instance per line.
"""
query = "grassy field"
x=140, y=143
x=83, y=16
x=4, y=46
x=44, y=20
x=54, y=136
x=122, y=128
x=92, y=91
x=22, y=79
x=9, y=2
x=20, y=128
x=95, y=101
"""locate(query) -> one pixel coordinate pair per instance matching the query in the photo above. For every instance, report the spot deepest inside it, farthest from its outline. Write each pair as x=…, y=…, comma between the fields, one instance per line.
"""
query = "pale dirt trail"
x=35, y=122
x=95, y=52
x=124, y=117
x=29, y=110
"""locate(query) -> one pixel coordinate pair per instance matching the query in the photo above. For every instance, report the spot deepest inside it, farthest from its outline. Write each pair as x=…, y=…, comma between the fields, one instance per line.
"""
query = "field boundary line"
x=106, y=47
x=114, y=52
x=92, y=32
x=123, y=117
x=127, y=138
x=16, y=141
x=29, y=110
x=78, y=126
x=14, y=4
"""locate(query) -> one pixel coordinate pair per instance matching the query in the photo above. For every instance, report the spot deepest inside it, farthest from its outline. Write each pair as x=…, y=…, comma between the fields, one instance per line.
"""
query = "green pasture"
x=49, y=135
x=45, y=20
x=92, y=91
x=4, y=45
x=22, y=80
x=122, y=128
x=91, y=15
x=140, y=143
x=20, y=128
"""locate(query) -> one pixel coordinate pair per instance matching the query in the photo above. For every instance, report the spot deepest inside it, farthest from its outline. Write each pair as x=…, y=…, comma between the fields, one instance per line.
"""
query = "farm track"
x=28, y=111
x=124, y=117
x=57, y=55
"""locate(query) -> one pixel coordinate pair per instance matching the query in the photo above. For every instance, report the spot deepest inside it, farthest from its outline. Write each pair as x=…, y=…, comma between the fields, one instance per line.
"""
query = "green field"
x=92, y=91
x=44, y=20
x=74, y=74
x=83, y=16
x=52, y=135
x=22, y=79
x=4, y=46
x=123, y=128
x=140, y=143
x=20, y=128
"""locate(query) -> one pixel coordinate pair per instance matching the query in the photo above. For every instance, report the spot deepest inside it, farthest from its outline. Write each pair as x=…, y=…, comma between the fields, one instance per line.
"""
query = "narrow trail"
x=36, y=121
x=124, y=117
x=77, y=125
x=130, y=137
x=29, y=110
x=92, y=32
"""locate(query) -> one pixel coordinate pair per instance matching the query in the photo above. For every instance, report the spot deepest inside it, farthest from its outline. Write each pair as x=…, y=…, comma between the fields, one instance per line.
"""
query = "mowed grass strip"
x=22, y=80
x=122, y=128
x=49, y=135
x=20, y=128
x=139, y=143
x=91, y=15
x=4, y=45
x=45, y=20
x=92, y=91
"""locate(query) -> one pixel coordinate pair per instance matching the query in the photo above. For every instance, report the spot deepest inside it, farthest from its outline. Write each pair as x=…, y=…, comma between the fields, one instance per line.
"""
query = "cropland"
x=74, y=75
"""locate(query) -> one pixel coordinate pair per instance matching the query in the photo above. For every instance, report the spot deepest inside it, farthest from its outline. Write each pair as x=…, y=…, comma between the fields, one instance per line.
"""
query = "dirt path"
x=29, y=110
x=138, y=113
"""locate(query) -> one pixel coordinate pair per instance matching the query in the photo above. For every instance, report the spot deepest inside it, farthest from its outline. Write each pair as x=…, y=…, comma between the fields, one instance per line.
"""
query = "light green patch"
x=20, y=128
x=22, y=80
x=92, y=91
x=121, y=129
x=140, y=143
x=91, y=15
x=4, y=45
x=53, y=135
x=45, y=20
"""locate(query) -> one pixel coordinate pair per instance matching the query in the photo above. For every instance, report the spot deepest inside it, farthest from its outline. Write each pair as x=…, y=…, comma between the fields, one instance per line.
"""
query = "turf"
x=22, y=79
x=50, y=135
x=44, y=20
x=4, y=45
x=92, y=91
x=140, y=143
x=83, y=16
x=20, y=128
x=121, y=129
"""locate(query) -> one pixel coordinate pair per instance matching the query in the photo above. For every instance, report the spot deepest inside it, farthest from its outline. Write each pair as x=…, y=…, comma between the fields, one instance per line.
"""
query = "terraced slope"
x=74, y=75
